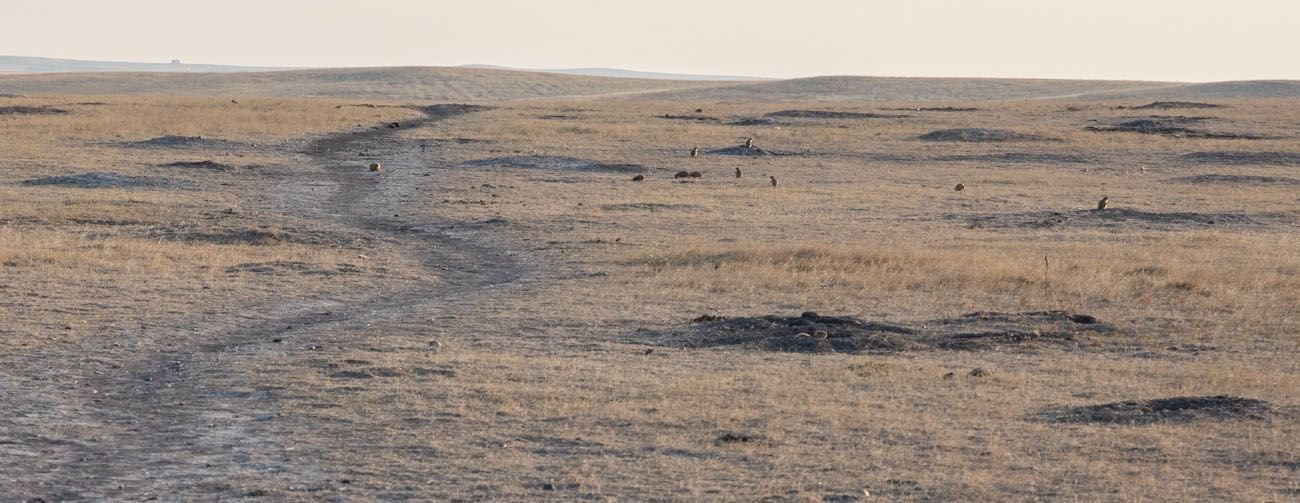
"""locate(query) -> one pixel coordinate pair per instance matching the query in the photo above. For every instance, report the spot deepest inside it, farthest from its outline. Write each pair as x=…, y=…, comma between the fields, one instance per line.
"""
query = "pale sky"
x=1184, y=40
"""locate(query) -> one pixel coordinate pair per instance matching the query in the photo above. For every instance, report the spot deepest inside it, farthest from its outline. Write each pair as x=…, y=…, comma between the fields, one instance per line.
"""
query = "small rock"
x=978, y=372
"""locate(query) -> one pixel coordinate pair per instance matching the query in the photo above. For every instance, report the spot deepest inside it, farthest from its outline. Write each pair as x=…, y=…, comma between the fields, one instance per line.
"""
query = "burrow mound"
x=936, y=109
x=1172, y=126
x=1023, y=158
x=1169, y=105
x=741, y=150
x=980, y=135
x=254, y=235
x=831, y=114
x=448, y=110
x=754, y=121
x=694, y=118
x=1112, y=218
x=1183, y=409
x=26, y=110
x=1268, y=158
x=103, y=180
x=557, y=163
x=173, y=141
x=814, y=333
x=1237, y=179
x=209, y=164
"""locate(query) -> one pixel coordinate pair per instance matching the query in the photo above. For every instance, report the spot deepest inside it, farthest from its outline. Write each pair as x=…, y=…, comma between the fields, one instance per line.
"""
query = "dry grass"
x=536, y=392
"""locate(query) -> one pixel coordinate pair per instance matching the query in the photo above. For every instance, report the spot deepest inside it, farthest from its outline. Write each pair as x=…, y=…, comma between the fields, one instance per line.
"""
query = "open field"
x=502, y=313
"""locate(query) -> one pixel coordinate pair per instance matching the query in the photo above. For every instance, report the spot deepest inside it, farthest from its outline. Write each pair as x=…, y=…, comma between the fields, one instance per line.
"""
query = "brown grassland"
x=499, y=313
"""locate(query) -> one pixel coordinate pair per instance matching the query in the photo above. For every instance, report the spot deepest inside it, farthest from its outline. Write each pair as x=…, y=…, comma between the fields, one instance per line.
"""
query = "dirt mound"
x=448, y=110
x=556, y=162
x=754, y=121
x=831, y=114
x=1023, y=158
x=1112, y=218
x=1237, y=179
x=978, y=135
x=1168, y=105
x=814, y=333
x=1165, y=410
x=1267, y=158
x=1172, y=126
x=651, y=207
x=212, y=165
x=741, y=150
x=103, y=180
x=935, y=109
x=172, y=141
x=24, y=110
x=696, y=118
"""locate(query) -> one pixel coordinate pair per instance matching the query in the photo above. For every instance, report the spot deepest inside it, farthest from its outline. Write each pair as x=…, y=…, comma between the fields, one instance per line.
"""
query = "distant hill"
x=626, y=74
x=906, y=89
x=23, y=64
x=399, y=83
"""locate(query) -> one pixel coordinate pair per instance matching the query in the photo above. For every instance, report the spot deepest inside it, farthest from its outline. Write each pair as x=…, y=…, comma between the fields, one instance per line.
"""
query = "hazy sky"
x=1189, y=40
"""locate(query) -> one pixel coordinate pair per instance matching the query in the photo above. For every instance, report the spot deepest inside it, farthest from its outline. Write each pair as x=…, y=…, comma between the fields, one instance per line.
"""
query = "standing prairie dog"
x=695, y=151
x=737, y=172
x=774, y=181
x=1105, y=200
x=374, y=166
x=749, y=143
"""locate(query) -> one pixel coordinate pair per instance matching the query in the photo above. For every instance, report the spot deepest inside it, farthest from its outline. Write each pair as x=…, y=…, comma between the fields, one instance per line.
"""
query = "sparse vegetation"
x=503, y=316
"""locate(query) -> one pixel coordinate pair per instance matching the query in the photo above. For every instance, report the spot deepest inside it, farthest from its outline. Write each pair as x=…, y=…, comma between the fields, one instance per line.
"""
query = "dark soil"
x=830, y=114
x=1172, y=126
x=1023, y=158
x=24, y=110
x=754, y=121
x=935, y=109
x=813, y=333
x=979, y=135
x=651, y=207
x=699, y=118
x=212, y=165
x=1169, y=105
x=1237, y=179
x=103, y=180
x=1115, y=217
x=1239, y=158
x=555, y=162
x=172, y=141
x=1165, y=410
x=741, y=150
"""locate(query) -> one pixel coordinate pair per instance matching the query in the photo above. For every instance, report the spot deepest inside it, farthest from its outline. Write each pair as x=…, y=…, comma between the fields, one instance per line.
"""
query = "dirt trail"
x=167, y=412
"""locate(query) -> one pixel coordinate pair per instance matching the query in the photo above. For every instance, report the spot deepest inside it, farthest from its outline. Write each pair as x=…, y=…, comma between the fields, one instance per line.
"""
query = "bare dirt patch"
x=26, y=110
x=831, y=114
x=207, y=164
x=556, y=163
x=935, y=109
x=1217, y=178
x=694, y=118
x=1118, y=218
x=173, y=141
x=981, y=135
x=104, y=180
x=814, y=333
x=1170, y=105
x=1023, y=158
x=743, y=151
x=1172, y=126
x=1165, y=410
x=1244, y=158
x=754, y=121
